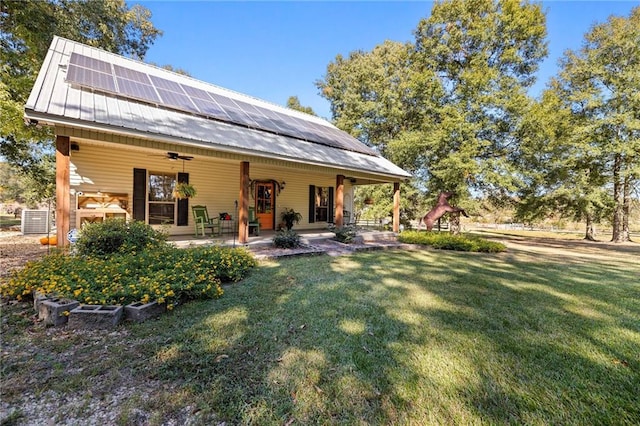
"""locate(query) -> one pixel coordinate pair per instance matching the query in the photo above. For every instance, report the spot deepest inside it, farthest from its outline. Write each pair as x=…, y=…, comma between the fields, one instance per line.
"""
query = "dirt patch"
x=17, y=249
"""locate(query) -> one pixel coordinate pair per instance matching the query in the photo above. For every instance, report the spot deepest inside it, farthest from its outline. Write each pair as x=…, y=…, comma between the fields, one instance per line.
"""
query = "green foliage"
x=27, y=30
x=598, y=85
x=118, y=236
x=446, y=241
x=347, y=234
x=184, y=190
x=294, y=103
x=289, y=216
x=447, y=106
x=286, y=239
x=165, y=274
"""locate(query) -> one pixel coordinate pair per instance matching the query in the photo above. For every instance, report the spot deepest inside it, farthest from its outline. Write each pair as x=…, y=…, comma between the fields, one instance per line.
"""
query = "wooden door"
x=265, y=204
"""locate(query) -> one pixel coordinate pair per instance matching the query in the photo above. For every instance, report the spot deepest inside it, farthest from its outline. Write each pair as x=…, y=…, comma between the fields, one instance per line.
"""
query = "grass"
x=7, y=221
x=536, y=335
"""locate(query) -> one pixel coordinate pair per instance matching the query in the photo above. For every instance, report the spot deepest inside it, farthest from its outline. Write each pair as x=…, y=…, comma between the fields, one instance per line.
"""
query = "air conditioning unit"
x=35, y=222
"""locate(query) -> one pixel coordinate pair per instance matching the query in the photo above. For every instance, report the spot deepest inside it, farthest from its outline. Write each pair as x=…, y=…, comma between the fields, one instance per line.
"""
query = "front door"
x=265, y=205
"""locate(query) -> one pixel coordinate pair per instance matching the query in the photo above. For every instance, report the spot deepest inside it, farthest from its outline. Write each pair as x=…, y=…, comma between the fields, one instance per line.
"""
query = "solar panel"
x=163, y=83
x=194, y=92
x=96, y=74
x=143, y=92
x=177, y=100
x=90, y=63
x=129, y=74
x=210, y=108
x=89, y=78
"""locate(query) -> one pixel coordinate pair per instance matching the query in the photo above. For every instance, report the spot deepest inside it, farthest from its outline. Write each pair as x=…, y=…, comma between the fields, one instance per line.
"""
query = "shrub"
x=166, y=274
x=346, y=234
x=117, y=236
x=446, y=241
x=286, y=239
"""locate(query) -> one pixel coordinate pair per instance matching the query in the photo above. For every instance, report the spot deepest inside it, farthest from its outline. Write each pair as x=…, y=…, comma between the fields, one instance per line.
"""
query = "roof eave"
x=48, y=119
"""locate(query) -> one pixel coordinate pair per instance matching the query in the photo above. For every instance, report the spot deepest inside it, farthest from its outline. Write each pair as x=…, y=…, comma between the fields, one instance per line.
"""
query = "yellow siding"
x=109, y=169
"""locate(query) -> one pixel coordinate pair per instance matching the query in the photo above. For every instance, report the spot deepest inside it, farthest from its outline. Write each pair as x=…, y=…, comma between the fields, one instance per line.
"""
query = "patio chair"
x=202, y=221
x=253, y=222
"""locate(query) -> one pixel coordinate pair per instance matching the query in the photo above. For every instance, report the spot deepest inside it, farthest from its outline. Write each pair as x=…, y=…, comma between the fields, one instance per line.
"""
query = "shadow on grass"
x=412, y=337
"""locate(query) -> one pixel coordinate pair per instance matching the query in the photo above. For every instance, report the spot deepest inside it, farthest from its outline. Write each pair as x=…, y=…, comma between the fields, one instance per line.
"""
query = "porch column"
x=396, y=207
x=339, y=219
x=63, y=192
x=243, y=208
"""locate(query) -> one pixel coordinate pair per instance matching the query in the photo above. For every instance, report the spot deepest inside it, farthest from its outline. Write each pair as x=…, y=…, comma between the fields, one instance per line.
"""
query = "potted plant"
x=184, y=190
x=289, y=216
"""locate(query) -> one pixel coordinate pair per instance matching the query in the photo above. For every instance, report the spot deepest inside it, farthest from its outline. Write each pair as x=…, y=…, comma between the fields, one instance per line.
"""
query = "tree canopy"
x=599, y=85
x=453, y=108
x=447, y=106
x=26, y=31
x=294, y=103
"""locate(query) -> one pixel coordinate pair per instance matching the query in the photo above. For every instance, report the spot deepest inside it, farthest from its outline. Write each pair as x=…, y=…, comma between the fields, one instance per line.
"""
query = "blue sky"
x=273, y=50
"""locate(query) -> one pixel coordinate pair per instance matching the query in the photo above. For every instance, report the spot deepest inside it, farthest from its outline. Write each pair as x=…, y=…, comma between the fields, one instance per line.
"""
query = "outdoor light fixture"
x=282, y=184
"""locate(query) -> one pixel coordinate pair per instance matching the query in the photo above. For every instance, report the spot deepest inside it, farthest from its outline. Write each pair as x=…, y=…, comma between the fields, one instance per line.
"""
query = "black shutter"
x=330, y=208
x=183, y=205
x=312, y=204
x=139, y=194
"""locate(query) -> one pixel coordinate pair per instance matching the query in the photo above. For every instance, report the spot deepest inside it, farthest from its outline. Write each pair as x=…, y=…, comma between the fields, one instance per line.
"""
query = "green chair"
x=253, y=222
x=202, y=221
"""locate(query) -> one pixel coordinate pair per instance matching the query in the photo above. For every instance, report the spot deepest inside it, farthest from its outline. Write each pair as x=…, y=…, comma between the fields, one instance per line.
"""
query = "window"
x=322, y=204
x=162, y=205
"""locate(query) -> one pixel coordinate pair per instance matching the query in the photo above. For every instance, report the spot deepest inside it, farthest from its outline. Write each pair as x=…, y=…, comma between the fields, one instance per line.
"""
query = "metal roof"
x=76, y=87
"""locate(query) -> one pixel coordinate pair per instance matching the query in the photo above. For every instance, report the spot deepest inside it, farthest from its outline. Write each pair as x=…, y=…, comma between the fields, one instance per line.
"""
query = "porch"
x=319, y=241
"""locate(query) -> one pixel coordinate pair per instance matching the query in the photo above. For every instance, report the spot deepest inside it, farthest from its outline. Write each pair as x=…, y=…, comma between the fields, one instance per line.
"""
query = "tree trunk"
x=454, y=223
x=617, y=235
x=626, y=208
x=590, y=234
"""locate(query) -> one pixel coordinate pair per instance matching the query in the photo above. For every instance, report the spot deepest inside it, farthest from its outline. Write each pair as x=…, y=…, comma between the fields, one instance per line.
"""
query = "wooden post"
x=339, y=216
x=63, y=192
x=396, y=207
x=243, y=211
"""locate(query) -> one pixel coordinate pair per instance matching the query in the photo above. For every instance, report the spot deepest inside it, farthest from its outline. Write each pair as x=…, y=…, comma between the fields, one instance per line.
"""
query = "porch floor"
x=314, y=242
x=264, y=239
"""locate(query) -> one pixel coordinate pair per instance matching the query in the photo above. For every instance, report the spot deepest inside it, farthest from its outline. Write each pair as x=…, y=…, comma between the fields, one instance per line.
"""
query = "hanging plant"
x=184, y=190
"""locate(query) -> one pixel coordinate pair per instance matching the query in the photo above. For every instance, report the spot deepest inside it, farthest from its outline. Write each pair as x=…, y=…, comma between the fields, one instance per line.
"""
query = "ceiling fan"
x=173, y=156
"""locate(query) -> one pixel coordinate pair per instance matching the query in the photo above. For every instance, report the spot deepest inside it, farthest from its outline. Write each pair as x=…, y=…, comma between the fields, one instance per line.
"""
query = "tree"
x=370, y=93
x=447, y=107
x=484, y=54
x=294, y=103
x=27, y=29
x=560, y=170
x=599, y=83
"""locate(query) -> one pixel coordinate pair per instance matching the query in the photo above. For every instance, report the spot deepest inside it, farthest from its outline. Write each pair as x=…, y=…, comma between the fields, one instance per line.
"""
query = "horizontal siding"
x=109, y=169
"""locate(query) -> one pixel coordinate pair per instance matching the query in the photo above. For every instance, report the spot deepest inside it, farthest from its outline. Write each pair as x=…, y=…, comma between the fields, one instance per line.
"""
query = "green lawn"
x=540, y=334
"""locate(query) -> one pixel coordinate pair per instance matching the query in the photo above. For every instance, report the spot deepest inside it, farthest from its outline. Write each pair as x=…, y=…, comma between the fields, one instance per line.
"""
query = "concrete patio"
x=313, y=242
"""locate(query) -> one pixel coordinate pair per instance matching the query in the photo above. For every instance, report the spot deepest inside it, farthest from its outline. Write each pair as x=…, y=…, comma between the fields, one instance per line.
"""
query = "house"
x=127, y=132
